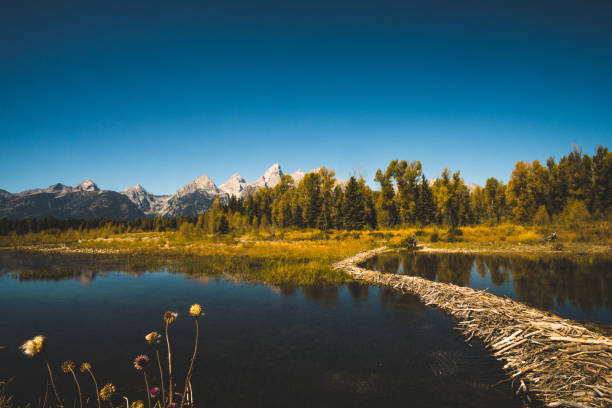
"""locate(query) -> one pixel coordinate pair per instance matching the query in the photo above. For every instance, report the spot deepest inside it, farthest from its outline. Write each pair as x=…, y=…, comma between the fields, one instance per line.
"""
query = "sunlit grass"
x=311, y=250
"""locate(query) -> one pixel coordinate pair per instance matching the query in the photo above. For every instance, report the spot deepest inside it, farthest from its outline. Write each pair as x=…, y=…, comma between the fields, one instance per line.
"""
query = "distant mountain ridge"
x=87, y=201
x=83, y=201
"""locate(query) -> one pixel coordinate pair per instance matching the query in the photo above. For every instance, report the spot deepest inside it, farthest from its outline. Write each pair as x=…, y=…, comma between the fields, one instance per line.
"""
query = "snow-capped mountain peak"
x=192, y=199
x=88, y=185
x=235, y=186
x=202, y=183
x=270, y=178
x=297, y=176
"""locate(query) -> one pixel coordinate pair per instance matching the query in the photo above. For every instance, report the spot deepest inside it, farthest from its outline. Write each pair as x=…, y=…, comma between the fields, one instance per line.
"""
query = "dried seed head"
x=170, y=317
x=195, y=310
x=39, y=341
x=85, y=367
x=137, y=404
x=141, y=362
x=68, y=366
x=29, y=348
x=107, y=392
x=33, y=346
x=153, y=337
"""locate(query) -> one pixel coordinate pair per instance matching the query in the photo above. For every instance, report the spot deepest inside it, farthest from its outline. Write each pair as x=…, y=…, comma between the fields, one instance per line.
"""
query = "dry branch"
x=556, y=361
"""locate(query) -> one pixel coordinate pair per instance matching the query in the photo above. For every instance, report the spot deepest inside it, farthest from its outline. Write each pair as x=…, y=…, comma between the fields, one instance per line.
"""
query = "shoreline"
x=602, y=250
x=556, y=361
x=458, y=248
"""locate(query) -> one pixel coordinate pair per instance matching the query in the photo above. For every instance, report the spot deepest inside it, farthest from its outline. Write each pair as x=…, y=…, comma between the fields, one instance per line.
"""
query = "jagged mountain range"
x=87, y=201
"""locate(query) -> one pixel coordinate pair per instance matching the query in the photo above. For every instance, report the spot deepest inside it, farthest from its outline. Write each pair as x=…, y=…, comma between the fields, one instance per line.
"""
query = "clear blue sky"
x=159, y=92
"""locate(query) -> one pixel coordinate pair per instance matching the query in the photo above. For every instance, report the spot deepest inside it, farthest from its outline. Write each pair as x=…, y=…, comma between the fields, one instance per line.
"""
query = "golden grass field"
x=306, y=256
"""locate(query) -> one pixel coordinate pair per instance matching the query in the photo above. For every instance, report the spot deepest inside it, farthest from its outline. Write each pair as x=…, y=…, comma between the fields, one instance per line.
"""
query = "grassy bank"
x=311, y=244
x=302, y=257
x=278, y=257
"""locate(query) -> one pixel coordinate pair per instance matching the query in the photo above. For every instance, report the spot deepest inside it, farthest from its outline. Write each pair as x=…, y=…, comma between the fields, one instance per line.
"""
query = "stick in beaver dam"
x=551, y=361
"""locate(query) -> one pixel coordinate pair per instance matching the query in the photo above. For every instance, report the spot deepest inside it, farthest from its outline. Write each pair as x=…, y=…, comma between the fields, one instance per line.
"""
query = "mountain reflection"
x=547, y=282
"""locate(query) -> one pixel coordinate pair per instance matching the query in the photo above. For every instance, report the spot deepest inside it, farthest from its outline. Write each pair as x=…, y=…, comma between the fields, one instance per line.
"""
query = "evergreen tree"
x=557, y=188
x=602, y=182
x=222, y=225
x=461, y=201
x=297, y=214
x=336, y=214
x=425, y=207
x=352, y=207
x=327, y=179
x=578, y=174
x=368, y=203
x=310, y=198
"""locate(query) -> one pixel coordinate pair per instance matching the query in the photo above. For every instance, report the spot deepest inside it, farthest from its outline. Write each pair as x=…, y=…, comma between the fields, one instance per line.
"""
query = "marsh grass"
x=6, y=400
x=289, y=257
x=276, y=243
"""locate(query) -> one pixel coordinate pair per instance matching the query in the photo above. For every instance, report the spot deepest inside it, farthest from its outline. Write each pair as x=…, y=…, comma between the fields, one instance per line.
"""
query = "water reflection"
x=262, y=345
x=578, y=287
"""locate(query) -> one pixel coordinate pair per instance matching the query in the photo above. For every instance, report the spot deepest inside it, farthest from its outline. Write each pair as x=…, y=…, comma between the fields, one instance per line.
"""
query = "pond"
x=578, y=287
x=348, y=345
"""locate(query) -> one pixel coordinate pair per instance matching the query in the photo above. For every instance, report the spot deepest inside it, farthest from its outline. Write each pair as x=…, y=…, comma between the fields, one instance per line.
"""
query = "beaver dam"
x=550, y=361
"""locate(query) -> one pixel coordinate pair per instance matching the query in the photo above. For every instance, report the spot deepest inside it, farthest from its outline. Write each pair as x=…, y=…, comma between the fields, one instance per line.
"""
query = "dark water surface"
x=336, y=346
x=578, y=287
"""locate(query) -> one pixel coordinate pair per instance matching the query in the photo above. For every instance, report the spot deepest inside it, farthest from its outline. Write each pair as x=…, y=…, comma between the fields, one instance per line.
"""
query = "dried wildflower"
x=29, y=348
x=154, y=391
x=39, y=341
x=195, y=310
x=85, y=367
x=141, y=362
x=170, y=317
x=137, y=404
x=68, y=366
x=106, y=393
x=153, y=337
x=171, y=405
x=33, y=346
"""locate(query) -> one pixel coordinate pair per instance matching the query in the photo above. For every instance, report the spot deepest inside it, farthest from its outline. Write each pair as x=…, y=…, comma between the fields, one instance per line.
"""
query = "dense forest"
x=576, y=189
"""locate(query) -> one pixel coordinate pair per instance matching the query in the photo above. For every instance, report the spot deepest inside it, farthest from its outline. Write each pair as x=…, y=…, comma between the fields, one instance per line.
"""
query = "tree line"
x=575, y=189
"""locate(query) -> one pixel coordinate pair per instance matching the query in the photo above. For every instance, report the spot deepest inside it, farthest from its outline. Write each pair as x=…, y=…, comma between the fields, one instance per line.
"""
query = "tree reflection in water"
x=550, y=282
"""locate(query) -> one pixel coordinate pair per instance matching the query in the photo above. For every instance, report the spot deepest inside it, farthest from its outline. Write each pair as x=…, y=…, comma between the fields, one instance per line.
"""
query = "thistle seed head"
x=170, y=317
x=141, y=362
x=68, y=366
x=107, y=392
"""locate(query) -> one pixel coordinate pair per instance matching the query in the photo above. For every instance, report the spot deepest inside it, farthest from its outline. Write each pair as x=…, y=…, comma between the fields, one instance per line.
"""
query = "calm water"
x=335, y=346
x=579, y=287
